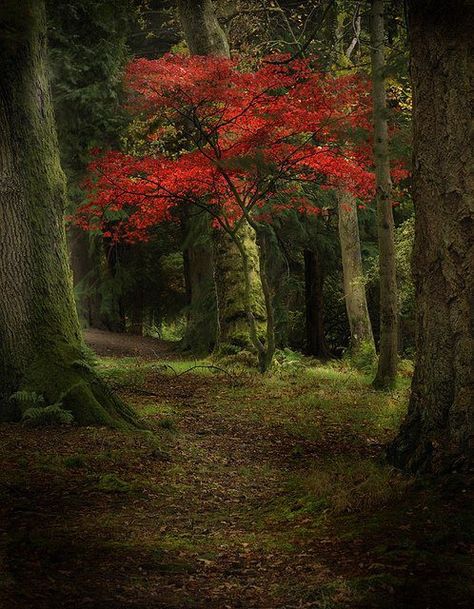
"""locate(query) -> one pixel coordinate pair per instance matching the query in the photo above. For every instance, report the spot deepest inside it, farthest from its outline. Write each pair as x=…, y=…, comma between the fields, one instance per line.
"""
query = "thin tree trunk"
x=204, y=36
x=314, y=281
x=438, y=432
x=41, y=349
x=85, y=271
x=266, y=358
x=387, y=364
x=354, y=283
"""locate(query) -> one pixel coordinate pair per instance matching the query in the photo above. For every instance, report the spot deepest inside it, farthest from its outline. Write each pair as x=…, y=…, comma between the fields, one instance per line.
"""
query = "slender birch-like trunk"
x=388, y=349
x=354, y=282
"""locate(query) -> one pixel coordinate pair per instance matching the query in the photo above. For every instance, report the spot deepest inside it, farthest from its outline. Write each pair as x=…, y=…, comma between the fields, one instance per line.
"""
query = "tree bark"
x=202, y=32
x=41, y=349
x=438, y=432
x=388, y=348
x=201, y=327
x=314, y=282
x=354, y=282
x=231, y=289
x=204, y=36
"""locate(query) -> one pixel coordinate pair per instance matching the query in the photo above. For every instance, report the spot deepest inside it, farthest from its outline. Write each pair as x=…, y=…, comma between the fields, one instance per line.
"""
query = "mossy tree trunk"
x=231, y=279
x=41, y=349
x=263, y=345
x=438, y=432
x=354, y=283
x=204, y=36
x=388, y=348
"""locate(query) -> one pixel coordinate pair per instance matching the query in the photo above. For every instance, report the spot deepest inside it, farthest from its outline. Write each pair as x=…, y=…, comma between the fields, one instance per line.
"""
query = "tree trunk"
x=204, y=36
x=387, y=364
x=354, y=283
x=231, y=290
x=202, y=32
x=314, y=282
x=201, y=327
x=41, y=349
x=84, y=273
x=438, y=432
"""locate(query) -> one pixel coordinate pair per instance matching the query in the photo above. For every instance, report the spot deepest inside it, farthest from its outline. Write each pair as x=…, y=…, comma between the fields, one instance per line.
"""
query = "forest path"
x=113, y=344
x=252, y=494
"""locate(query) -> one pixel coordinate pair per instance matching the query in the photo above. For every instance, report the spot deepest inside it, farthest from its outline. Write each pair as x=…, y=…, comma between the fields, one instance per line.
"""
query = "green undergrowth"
x=279, y=480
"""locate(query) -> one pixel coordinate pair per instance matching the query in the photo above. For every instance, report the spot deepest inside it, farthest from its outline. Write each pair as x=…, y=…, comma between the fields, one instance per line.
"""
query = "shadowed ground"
x=249, y=493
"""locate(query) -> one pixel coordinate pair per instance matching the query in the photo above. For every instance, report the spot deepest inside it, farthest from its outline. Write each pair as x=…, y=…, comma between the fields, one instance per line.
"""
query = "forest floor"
x=247, y=492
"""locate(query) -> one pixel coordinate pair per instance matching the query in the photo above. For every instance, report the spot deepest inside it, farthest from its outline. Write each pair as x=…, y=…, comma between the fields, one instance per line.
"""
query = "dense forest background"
x=146, y=288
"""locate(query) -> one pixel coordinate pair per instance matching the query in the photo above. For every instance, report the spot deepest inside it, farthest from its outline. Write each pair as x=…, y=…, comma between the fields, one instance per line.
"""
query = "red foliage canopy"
x=255, y=137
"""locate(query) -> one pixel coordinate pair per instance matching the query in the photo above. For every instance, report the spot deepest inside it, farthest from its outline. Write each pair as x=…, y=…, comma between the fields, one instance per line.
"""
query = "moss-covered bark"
x=41, y=348
x=204, y=36
x=354, y=284
x=438, y=433
x=231, y=290
x=202, y=31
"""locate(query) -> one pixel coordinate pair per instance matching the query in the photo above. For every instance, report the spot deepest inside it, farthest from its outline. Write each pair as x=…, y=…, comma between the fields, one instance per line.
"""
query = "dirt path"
x=207, y=513
x=128, y=527
x=110, y=344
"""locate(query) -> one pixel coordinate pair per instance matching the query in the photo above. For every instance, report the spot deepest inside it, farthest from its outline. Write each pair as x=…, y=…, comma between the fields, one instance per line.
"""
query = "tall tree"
x=439, y=429
x=348, y=224
x=387, y=364
x=41, y=350
x=354, y=282
x=204, y=36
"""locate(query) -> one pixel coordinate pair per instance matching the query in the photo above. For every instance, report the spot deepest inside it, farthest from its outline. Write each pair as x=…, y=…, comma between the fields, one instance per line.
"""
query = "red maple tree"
x=257, y=136
x=254, y=137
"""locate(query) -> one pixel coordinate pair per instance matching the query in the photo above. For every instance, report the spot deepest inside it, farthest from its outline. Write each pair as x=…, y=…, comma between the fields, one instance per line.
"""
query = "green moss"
x=234, y=326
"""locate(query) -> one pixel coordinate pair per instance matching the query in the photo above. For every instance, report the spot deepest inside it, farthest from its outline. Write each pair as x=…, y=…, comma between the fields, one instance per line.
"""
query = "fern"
x=27, y=399
x=48, y=415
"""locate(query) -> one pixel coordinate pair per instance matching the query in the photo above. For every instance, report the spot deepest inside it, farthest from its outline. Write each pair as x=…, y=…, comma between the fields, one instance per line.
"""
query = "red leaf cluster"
x=256, y=137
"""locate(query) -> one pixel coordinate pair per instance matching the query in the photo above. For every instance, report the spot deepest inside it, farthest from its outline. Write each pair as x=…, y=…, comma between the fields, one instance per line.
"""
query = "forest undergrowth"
x=245, y=492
